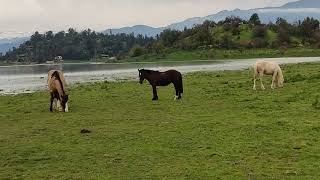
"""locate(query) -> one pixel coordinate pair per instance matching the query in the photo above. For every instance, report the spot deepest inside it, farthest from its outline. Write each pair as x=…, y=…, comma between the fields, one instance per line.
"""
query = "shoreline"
x=152, y=62
x=128, y=75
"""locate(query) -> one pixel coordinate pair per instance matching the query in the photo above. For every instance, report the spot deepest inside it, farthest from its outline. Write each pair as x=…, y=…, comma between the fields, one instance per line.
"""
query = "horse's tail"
x=57, y=76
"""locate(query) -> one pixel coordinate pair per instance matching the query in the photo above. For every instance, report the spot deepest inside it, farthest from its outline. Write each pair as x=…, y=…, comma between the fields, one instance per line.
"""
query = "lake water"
x=30, y=78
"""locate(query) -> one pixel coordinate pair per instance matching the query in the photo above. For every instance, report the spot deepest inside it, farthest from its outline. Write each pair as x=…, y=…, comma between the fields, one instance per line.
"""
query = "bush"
x=187, y=44
x=246, y=44
x=260, y=43
x=259, y=32
x=283, y=50
x=137, y=51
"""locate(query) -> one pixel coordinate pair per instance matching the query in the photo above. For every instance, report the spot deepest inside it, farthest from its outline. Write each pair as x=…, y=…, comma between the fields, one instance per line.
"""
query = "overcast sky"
x=31, y=15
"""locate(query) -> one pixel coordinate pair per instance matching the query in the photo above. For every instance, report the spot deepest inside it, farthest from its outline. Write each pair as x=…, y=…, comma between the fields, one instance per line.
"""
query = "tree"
x=169, y=37
x=308, y=27
x=283, y=36
x=226, y=41
x=282, y=24
x=158, y=47
x=254, y=19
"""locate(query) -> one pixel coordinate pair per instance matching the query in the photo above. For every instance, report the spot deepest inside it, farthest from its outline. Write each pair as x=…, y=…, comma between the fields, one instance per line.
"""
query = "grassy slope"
x=219, y=54
x=221, y=128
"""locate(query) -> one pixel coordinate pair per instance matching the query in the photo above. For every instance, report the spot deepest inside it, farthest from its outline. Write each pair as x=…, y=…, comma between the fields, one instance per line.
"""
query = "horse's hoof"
x=155, y=99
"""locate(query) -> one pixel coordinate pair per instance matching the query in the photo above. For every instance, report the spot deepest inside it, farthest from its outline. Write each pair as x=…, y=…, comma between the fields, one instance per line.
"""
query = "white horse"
x=268, y=68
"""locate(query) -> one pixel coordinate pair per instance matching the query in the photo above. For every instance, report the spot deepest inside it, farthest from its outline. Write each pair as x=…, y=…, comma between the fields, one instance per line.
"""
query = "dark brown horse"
x=157, y=78
x=57, y=85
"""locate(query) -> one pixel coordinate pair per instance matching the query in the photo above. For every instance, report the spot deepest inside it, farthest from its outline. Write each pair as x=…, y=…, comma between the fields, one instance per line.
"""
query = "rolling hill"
x=8, y=43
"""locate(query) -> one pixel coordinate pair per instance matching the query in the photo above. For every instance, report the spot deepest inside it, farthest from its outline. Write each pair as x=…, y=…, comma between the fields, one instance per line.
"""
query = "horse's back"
x=174, y=72
x=265, y=66
x=266, y=63
x=51, y=83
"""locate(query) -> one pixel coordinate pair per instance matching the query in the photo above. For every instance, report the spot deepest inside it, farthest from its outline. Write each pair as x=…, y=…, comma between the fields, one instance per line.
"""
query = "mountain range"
x=292, y=12
x=8, y=43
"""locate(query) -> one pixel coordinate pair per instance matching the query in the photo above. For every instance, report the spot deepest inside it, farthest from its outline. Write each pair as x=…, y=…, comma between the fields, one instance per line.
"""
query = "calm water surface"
x=30, y=78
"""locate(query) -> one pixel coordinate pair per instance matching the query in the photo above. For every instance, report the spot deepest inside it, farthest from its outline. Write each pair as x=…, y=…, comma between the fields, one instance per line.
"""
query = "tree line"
x=231, y=33
x=228, y=34
x=73, y=45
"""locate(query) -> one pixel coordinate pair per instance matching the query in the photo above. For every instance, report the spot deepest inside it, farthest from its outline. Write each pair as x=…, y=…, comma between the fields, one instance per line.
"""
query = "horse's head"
x=280, y=78
x=141, y=75
x=280, y=82
x=64, y=101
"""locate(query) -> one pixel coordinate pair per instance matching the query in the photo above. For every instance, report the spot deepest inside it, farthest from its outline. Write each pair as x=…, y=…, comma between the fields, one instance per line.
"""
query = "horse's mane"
x=57, y=76
x=149, y=71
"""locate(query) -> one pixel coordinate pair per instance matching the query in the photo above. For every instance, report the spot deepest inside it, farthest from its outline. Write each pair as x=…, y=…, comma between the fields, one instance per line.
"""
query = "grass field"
x=220, y=129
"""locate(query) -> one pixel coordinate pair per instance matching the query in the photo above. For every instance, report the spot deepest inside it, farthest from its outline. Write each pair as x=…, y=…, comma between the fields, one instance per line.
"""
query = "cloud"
x=31, y=15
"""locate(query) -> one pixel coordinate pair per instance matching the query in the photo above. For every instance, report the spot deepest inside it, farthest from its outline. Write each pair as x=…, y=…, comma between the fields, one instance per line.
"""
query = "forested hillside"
x=232, y=33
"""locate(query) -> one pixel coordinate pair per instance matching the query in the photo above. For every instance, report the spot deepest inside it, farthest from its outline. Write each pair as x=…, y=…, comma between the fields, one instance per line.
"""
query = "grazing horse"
x=157, y=78
x=57, y=85
x=268, y=68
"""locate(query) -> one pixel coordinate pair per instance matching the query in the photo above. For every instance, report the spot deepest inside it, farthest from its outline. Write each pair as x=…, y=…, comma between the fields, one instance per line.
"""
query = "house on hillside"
x=58, y=59
x=103, y=56
x=21, y=58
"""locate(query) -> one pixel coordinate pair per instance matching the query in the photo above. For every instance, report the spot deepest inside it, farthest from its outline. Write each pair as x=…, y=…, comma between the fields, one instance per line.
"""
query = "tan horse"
x=57, y=87
x=268, y=68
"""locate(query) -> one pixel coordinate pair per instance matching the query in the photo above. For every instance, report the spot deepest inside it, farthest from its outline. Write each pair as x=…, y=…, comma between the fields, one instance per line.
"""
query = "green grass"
x=246, y=35
x=272, y=36
x=220, y=129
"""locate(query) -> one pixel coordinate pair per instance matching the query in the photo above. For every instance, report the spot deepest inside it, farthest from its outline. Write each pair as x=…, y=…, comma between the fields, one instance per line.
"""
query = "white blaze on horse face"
x=176, y=97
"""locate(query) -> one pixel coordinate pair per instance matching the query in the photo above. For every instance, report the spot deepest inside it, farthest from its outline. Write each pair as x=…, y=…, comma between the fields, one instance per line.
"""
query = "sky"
x=30, y=15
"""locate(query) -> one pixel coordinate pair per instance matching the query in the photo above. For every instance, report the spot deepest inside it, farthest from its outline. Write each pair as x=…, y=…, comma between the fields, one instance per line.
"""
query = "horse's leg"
x=67, y=107
x=254, y=82
x=51, y=101
x=54, y=106
x=180, y=88
x=273, y=80
x=59, y=107
x=262, y=86
x=176, y=87
x=155, y=94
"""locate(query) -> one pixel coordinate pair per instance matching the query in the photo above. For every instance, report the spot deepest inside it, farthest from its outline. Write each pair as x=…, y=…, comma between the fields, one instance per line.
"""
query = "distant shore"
x=196, y=55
